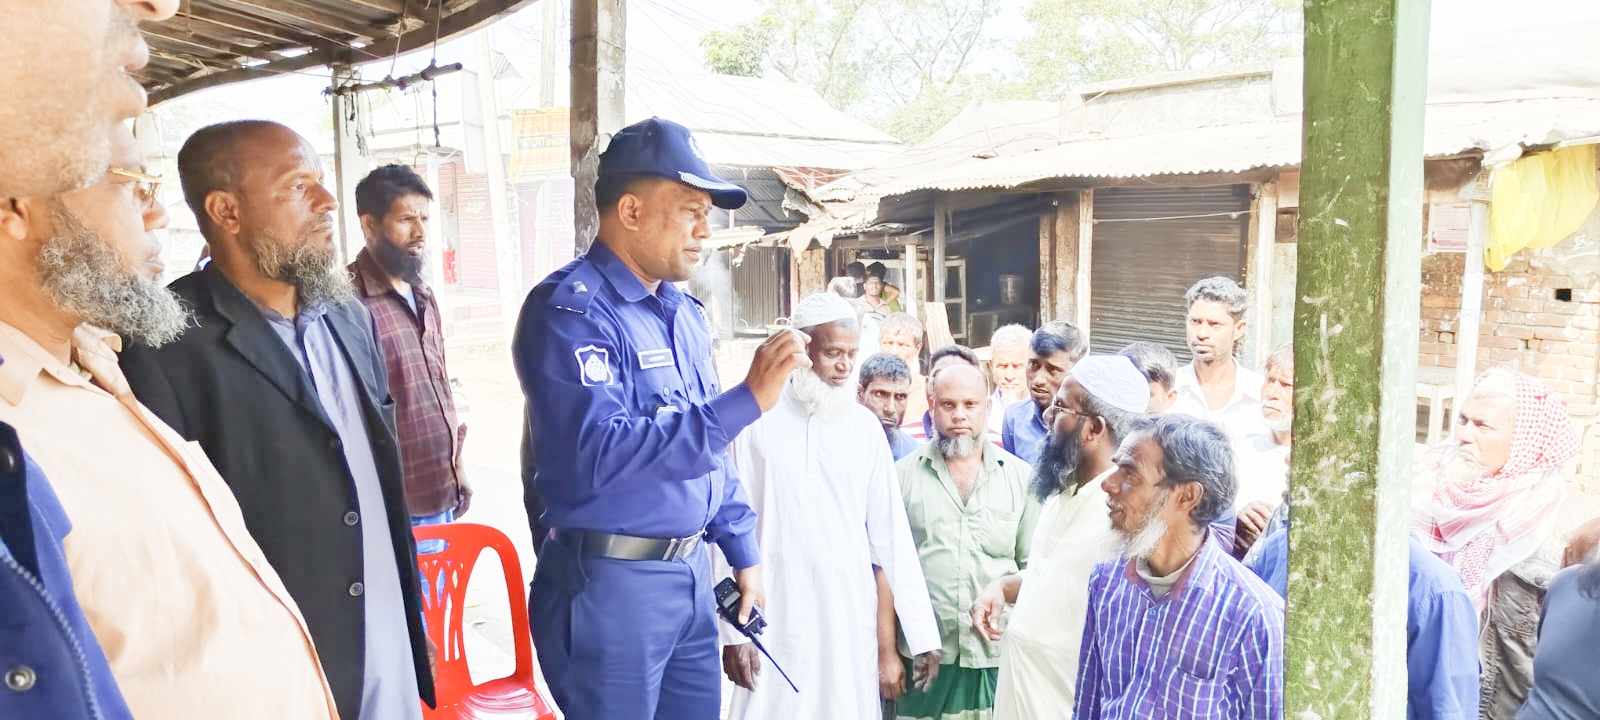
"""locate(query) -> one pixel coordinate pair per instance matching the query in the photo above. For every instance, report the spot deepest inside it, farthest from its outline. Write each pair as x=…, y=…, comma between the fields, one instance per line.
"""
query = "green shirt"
x=965, y=546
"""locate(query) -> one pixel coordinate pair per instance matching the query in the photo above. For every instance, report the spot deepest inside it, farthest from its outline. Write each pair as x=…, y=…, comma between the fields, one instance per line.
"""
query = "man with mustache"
x=885, y=382
x=282, y=385
x=829, y=522
x=1177, y=628
x=164, y=569
x=393, y=203
x=1097, y=404
x=972, y=518
x=1056, y=346
x=1215, y=386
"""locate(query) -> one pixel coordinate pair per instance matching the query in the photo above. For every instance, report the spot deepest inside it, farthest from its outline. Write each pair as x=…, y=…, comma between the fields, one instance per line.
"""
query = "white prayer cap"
x=1114, y=380
x=821, y=308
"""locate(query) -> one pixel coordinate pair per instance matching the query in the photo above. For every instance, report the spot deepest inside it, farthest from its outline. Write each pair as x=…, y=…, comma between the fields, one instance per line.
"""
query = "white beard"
x=1144, y=542
x=816, y=397
x=958, y=447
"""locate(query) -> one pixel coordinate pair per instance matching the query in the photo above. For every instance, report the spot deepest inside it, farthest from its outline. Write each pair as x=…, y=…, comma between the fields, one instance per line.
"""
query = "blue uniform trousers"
x=626, y=639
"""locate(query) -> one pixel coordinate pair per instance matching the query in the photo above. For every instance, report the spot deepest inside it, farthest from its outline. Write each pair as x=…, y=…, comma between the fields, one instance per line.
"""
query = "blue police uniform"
x=630, y=434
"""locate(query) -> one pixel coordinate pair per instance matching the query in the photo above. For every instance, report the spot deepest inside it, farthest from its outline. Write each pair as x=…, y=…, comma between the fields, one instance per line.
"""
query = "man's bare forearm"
x=886, y=618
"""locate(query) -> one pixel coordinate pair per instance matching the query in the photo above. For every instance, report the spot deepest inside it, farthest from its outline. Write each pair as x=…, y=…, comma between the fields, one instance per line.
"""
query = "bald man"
x=959, y=481
x=282, y=384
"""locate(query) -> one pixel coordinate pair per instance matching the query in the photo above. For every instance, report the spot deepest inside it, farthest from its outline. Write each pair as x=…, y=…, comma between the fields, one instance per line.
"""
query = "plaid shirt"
x=425, y=413
x=1211, y=648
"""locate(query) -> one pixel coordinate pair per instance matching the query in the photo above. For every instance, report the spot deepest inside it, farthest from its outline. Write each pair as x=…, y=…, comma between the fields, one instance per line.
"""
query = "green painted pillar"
x=1355, y=336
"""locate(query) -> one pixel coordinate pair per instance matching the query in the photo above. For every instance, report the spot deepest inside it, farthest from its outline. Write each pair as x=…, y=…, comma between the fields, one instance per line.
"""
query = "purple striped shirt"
x=1212, y=648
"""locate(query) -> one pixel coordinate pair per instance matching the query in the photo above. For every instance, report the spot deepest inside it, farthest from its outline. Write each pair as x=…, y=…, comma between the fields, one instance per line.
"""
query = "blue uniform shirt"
x=1441, y=631
x=630, y=430
x=1022, y=432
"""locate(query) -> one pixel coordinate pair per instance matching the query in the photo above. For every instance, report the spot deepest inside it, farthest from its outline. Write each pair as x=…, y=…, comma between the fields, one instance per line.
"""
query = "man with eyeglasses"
x=179, y=594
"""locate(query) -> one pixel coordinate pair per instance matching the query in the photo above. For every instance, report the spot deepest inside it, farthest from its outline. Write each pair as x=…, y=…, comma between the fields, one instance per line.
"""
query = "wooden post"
x=1065, y=258
x=1356, y=315
x=911, y=294
x=1471, y=317
x=941, y=234
x=599, y=41
x=1081, y=286
x=1263, y=236
x=1047, y=265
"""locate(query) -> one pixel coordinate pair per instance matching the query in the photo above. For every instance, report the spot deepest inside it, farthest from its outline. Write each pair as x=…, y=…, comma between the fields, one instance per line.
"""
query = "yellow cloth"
x=194, y=621
x=1539, y=200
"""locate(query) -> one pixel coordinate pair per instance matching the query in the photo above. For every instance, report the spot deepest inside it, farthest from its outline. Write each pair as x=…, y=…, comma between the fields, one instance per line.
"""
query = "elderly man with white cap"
x=1088, y=417
x=833, y=536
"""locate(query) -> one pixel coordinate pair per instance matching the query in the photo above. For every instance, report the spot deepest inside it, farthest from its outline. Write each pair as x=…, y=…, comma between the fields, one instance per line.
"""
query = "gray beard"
x=1141, y=544
x=307, y=266
x=84, y=276
x=816, y=396
x=959, y=447
x=1057, y=465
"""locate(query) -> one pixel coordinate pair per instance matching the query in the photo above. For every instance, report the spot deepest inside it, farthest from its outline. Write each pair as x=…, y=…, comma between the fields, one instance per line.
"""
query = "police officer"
x=630, y=432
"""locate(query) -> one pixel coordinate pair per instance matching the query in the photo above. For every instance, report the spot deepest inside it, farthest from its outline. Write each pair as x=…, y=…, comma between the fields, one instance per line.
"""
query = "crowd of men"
x=207, y=489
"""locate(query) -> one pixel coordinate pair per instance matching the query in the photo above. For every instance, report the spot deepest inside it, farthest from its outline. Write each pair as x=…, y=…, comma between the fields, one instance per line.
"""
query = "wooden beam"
x=394, y=7
x=230, y=53
x=241, y=23
x=1258, y=273
x=462, y=21
x=1471, y=316
x=1356, y=315
x=599, y=53
x=297, y=14
x=941, y=238
x=1081, y=285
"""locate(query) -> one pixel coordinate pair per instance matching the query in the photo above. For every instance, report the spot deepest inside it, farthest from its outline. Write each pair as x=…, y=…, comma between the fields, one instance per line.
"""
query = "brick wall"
x=1528, y=325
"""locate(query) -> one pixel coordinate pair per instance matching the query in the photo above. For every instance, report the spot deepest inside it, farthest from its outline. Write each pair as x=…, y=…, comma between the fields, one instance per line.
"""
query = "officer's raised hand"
x=774, y=360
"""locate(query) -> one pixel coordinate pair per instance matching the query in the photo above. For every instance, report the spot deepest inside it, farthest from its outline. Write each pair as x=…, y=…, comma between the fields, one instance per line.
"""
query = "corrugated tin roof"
x=1449, y=129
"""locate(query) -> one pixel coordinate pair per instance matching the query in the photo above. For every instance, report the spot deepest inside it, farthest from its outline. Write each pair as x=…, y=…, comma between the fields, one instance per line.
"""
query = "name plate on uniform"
x=655, y=358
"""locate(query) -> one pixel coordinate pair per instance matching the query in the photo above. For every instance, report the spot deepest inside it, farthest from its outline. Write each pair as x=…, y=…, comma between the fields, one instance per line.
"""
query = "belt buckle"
x=672, y=549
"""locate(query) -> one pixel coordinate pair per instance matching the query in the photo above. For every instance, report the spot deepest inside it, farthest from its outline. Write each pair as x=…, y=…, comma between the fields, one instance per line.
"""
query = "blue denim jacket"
x=51, y=667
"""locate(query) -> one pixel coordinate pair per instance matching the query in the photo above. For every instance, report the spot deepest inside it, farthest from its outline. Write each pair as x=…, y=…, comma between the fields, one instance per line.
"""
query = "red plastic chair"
x=446, y=574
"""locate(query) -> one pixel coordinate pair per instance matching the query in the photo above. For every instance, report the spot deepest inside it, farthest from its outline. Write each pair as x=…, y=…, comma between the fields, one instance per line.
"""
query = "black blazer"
x=231, y=385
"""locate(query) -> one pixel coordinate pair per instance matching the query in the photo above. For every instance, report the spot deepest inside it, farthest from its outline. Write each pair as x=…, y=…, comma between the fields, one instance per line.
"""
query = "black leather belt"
x=627, y=547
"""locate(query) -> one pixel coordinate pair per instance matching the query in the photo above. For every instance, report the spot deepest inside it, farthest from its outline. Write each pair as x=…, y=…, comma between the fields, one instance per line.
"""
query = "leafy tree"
x=1079, y=41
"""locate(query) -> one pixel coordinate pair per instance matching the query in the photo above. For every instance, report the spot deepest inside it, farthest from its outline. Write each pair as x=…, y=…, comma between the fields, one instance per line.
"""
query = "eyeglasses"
x=145, y=186
x=1054, y=411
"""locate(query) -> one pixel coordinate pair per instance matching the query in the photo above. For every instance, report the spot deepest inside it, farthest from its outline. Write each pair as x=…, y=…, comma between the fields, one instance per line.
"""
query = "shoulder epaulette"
x=577, y=289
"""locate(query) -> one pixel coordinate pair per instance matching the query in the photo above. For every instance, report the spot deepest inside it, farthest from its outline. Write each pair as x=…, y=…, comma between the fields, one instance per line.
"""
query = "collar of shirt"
x=1201, y=572
x=1246, y=386
x=933, y=460
x=625, y=282
x=304, y=318
x=372, y=281
x=25, y=359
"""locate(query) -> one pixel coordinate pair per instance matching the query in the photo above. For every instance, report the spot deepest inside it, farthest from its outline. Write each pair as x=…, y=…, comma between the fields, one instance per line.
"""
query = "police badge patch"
x=594, y=365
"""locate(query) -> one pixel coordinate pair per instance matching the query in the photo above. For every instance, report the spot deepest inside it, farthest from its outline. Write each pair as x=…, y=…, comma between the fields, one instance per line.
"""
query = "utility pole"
x=1355, y=341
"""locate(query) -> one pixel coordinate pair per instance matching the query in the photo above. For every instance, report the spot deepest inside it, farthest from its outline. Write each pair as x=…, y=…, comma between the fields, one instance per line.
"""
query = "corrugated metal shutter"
x=1142, y=269
x=760, y=289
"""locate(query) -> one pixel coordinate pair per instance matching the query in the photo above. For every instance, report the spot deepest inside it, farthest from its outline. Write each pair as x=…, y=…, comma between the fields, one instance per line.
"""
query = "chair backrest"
x=445, y=575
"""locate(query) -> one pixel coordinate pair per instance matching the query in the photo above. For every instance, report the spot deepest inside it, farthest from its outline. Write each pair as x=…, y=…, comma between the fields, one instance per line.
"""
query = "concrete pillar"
x=1258, y=275
x=349, y=166
x=507, y=243
x=1356, y=313
x=599, y=41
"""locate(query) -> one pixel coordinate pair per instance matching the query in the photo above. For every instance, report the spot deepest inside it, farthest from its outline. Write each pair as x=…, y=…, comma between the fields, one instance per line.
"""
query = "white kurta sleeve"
x=889, y=533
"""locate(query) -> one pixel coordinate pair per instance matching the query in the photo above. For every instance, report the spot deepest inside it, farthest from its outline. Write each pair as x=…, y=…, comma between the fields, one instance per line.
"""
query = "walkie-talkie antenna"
x=775, y=664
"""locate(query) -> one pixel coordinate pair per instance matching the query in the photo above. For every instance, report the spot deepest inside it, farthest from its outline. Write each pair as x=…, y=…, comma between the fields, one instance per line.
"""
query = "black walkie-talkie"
x=728, y=597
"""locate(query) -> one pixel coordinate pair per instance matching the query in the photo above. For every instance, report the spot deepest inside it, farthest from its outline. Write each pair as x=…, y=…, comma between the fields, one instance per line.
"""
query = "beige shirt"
x=193, y=620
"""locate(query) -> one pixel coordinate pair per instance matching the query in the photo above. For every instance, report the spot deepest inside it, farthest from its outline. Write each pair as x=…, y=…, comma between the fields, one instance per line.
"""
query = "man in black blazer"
x=282, y=384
